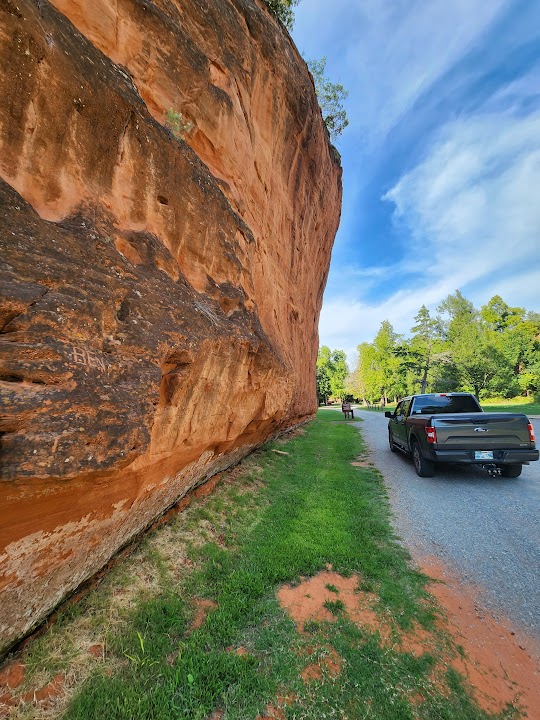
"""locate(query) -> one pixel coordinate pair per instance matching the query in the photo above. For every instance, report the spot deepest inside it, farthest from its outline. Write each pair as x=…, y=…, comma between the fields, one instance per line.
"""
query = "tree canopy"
x=332, y=373
x=494, y=350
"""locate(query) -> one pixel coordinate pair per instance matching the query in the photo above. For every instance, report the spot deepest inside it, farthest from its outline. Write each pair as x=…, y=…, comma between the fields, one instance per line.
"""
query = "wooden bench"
x=347, y=410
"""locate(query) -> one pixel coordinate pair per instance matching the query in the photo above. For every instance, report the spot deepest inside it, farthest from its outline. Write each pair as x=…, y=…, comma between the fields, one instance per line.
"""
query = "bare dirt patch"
x=276, y=711
x=202, y=608
x=272, y=713
x=306, y=601
x=329, y=662
x=363, y=460
x=12, y=675
x=500, y=665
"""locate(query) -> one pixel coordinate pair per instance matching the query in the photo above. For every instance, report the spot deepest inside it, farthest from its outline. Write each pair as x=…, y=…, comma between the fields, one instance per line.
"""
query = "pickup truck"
x=452, y=427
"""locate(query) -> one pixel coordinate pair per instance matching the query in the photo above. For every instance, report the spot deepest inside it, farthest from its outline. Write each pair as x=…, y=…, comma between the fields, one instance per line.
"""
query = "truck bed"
x=481, y=431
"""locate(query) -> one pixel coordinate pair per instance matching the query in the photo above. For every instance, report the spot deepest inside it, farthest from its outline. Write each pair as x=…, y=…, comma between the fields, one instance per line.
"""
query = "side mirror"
x=388, y=414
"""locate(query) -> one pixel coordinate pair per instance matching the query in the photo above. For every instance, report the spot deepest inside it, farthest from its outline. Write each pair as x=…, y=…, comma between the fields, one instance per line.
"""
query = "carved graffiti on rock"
x=89, y=359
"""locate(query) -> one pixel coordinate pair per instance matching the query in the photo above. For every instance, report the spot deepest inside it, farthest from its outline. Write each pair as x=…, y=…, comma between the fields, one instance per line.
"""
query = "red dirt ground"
x=202, y=608
x=501, y=663
x=306, y=601
x=501, y=666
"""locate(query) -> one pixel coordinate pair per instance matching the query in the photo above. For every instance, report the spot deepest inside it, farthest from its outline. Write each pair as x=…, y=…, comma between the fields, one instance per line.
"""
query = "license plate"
x=483, y=455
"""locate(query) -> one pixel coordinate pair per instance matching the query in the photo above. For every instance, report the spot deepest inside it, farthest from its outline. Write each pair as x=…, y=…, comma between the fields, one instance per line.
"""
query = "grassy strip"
x=515, y=406
x=489, y=405
x=312, y=509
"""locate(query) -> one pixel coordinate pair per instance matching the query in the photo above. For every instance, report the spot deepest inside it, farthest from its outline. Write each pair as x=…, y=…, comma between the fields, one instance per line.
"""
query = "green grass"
x=515, y=405
x=336, y=607
x=312, y=510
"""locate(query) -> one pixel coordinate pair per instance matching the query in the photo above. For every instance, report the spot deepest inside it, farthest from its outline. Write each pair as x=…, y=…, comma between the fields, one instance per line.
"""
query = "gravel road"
x=487, y=529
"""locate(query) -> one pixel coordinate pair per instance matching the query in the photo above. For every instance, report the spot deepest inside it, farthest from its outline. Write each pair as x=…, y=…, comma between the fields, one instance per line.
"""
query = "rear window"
x=436, y=404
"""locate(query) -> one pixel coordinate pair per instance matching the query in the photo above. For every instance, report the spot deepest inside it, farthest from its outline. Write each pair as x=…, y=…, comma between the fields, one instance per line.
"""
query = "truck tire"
x=511, y=471
x=391, y=441
x=423, y=466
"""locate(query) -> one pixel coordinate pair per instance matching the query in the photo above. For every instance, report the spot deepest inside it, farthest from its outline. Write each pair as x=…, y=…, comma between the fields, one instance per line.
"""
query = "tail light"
x=432, y=435
x=531, y=432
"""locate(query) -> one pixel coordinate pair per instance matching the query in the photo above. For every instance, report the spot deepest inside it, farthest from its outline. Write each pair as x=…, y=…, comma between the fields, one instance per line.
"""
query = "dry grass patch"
x=57, y=662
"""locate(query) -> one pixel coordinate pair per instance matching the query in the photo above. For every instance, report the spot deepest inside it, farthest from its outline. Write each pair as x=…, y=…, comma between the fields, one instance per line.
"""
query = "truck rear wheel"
x=511, y=471
x=423, y=466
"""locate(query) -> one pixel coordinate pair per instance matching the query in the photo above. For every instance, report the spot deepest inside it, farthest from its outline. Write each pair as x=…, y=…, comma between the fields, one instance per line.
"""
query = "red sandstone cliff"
x=159, y=296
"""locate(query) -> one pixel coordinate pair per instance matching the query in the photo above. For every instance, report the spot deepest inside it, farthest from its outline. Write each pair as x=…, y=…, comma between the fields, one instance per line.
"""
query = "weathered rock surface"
x=159, y=296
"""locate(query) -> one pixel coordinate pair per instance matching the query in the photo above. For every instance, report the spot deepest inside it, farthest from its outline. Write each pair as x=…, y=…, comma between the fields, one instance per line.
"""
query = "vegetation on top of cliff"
x=283, y=9
x=330, y=96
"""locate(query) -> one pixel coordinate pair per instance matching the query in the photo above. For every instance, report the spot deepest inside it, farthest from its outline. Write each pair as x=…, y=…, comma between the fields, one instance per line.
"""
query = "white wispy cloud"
x=403, y=48
x=512, y=94
x=473, y=218
x=466, y=214
x=472, y=206
x=389, y=53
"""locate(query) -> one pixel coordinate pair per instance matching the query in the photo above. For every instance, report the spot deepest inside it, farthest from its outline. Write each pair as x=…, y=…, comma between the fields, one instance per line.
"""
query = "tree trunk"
x=423, y=384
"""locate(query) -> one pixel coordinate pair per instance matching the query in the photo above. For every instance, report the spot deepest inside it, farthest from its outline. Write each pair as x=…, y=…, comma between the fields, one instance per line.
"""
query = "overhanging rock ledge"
x=160, y=294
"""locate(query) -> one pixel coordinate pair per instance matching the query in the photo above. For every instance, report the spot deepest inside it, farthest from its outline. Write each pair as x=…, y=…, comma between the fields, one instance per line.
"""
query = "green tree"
x=410, y=366
x=499, y=316
x=390, y=363
x=516, y=335
x=471, y=349
x=340, y=372
x=425, y=332
x=368, y=378
x=456, y=308
x=323, y=385
x=330, y=96
x=283, y=9
x=529, y=378
x=323, y=374
x=332, y=372
x=491, y=351
x=520, y=345
x=380, y=372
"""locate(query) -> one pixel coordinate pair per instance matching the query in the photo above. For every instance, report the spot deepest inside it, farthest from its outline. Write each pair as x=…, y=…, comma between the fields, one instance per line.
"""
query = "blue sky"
x=441, y=160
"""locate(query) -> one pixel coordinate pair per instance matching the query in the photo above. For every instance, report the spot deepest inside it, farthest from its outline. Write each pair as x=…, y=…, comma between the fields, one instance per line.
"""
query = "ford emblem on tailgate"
x=481, y=430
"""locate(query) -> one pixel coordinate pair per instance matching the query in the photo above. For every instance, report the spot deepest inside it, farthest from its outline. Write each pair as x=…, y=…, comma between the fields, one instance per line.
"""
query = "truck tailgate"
x=482, y=431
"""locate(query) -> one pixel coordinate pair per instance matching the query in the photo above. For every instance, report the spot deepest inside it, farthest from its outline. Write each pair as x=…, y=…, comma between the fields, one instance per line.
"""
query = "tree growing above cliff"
x=283, y=9
x=330, y=96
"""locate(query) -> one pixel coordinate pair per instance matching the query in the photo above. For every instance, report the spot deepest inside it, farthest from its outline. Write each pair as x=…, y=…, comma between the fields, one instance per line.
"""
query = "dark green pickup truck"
x=451, y=427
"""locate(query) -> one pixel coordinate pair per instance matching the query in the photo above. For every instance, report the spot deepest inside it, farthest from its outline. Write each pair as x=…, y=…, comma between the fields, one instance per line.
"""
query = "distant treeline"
x=492, y=352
